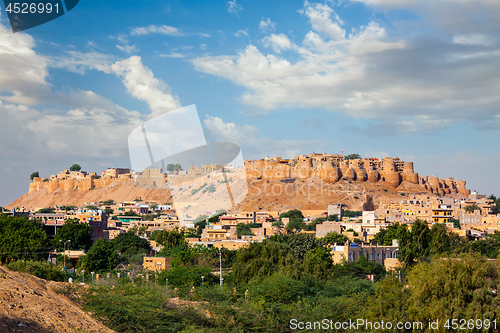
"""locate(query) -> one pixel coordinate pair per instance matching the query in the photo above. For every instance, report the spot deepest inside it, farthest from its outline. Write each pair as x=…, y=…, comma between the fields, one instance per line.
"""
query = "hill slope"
x=30, y=304
x=263, y=195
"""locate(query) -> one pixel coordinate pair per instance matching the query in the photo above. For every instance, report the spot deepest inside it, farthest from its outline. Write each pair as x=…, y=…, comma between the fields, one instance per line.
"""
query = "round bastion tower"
x=389, y=172
x=409, y=174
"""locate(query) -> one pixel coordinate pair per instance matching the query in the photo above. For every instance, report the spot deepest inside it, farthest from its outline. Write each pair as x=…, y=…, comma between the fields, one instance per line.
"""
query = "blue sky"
x=414, y=79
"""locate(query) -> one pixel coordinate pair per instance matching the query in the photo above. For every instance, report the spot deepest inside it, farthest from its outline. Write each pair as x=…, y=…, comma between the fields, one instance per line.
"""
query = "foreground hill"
x=30, y=304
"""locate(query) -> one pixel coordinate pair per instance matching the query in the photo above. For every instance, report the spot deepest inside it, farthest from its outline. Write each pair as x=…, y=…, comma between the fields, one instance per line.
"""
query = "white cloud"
x=253, y=142
x=413, y=84
x=233, y=7
x=22, y=71
x=78, y=62
x=204, y=34
x=123, y=39
x=277, y=42
x=324, y=20
x=267, y=25
x=473, y=39
x=141, y=84
x=173, y=55
x=241, y=33
x=163, y=29
x=186, y=47
x=127, y=48
x=203, y=47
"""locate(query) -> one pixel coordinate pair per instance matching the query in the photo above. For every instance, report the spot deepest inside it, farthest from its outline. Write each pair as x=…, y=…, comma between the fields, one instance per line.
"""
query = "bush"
x=39, y=269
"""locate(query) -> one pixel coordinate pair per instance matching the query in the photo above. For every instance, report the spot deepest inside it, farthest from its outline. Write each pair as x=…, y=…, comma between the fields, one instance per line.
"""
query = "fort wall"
x=333, y=168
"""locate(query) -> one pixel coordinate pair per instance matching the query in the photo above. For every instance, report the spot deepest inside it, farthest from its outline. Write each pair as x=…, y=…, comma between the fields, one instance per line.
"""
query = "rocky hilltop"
x=311, y=181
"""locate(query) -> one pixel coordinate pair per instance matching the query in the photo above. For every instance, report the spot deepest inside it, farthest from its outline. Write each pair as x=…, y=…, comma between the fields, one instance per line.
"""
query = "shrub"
x=39, y=269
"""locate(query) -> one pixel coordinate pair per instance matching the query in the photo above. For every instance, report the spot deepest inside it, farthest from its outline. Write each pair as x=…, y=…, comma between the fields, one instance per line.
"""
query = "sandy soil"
x=30, y=304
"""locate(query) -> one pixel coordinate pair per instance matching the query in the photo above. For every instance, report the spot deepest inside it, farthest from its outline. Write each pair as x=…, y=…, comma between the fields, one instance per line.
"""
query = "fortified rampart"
x=329, y=168
x=333, y=168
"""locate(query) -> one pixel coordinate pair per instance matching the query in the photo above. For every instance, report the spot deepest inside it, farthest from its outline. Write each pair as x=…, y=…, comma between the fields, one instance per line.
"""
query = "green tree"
x=291, y=214
x=312, y=226
x=79, y=234
x=48, y=210
x=169, y=239
x=352, y=157
x=108, y=202
x=295, y=225
x=174, y=167
x=442, y=289
x=456, y=222
x=243, y=229
x=66, y=208
x=129, y=244
x=495, y=209
x=352, y=213
x=34, y=174
x=387, y=235
x=21, y=239
x=333, y=237
x=108, y=211
x=101, y=257
x=334, y=217
x=471, y=208
x=75, y=167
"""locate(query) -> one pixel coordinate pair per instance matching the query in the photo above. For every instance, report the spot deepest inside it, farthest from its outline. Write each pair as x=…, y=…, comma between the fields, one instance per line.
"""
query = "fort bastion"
x=329, y=168
x=332, y=168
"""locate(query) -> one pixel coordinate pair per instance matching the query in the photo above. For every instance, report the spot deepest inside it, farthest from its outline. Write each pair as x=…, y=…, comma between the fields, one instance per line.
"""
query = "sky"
x=419, y=80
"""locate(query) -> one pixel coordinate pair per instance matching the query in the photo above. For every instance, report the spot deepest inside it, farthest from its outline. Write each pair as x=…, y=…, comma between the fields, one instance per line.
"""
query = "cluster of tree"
x=463, y=287
x=67, y=208
x=76, y=234
x=297, y=256
x=127, y=249
x=174, y=167
x=22, y=239
x=472, y=208
x=46, y=210
x=243, y=229
x=295, y=221
x=202, y=220
x=352, y=213
x=422, y=242
x=496, y=204
x=352, y=157
x=169, y=239
x=334, y=238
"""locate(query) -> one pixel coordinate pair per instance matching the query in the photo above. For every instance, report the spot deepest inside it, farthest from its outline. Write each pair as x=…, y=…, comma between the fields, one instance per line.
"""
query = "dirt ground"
x=30, y=304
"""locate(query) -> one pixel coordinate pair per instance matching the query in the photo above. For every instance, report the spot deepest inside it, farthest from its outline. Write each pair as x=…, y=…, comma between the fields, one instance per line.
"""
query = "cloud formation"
x=254, y=143
x=266, y=25
x=233, y=7
x=277, y=42
x=414, y=82
x=163, y=29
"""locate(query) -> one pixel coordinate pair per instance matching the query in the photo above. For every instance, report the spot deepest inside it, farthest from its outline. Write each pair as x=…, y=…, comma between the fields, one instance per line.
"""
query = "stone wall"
x=332, y=168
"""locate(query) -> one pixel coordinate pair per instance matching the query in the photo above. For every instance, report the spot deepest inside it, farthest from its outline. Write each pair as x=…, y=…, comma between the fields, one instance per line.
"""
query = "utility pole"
x=220, y=269
x=64, y=254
